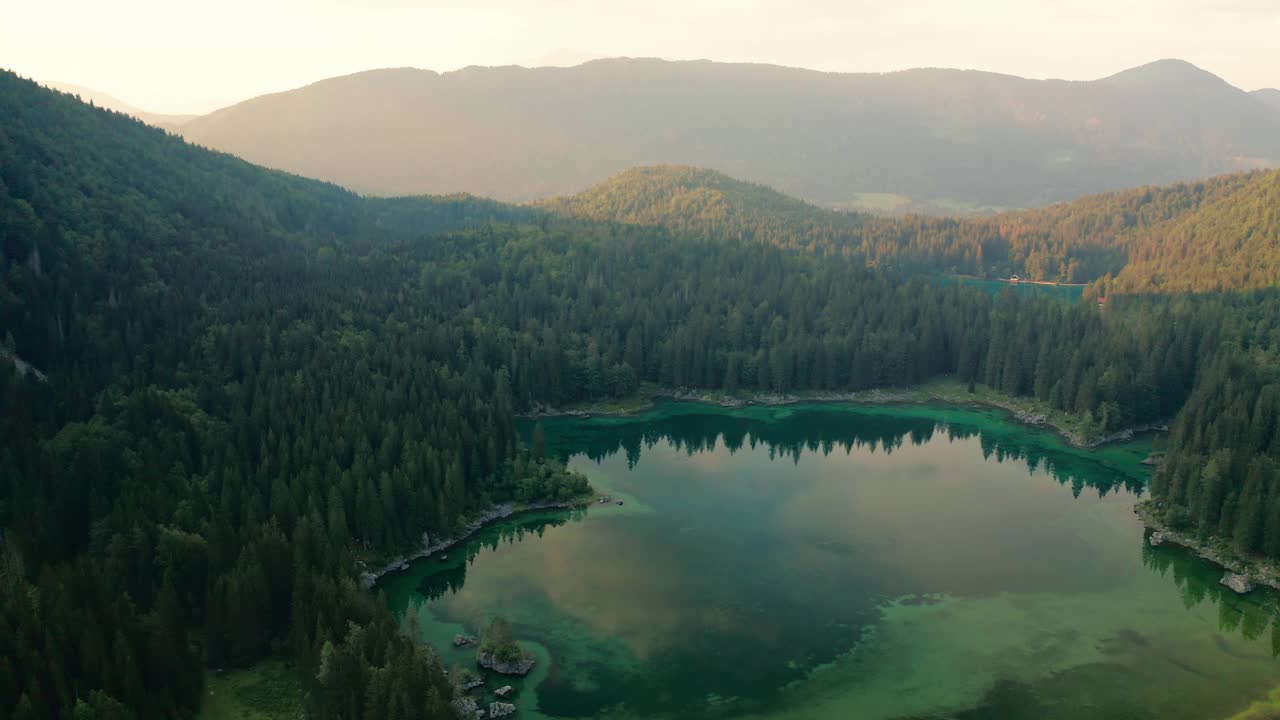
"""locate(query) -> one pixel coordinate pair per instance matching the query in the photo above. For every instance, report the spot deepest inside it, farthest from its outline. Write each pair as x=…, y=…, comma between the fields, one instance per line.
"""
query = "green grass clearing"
x=268, y=690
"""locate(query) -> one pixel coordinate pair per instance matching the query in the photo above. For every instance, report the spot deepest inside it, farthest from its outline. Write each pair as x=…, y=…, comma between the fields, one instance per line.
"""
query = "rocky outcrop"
x=504, y=691
x=472, y=683
x=466, y=707
x=540, y=410
x=501, y=709
x=1123, y=435
x=1029, y=418
x=1252, y=571
x=461, y=640
x=505, y=667
x=22, y=366
x=1156, y=539
x=369, y=578
x=1237, y=583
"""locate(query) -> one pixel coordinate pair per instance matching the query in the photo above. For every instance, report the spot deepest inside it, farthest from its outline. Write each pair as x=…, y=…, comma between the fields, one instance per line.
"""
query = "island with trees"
x=500, y=652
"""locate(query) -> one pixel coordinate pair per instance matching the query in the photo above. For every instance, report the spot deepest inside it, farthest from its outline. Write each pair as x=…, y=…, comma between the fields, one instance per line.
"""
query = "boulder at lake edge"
x=1238, y=583
x=466, y=707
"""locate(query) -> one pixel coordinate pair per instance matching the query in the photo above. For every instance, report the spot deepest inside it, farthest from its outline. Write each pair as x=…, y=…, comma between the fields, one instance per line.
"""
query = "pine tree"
x=539, y=442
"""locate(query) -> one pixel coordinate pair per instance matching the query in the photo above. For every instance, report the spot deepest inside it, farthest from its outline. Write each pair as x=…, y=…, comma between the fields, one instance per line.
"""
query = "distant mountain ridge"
x=110, y=102
x=949, y=140
x=1270, y=96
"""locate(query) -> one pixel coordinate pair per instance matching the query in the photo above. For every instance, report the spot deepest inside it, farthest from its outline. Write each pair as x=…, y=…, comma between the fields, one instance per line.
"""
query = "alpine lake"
x=848, y=561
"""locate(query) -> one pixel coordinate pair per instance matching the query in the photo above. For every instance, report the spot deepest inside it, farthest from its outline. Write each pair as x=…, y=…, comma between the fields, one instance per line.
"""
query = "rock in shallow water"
x=504, y=691
x=1238, y=583
x=1156, y=538
x=459, y=640
x=501, y=709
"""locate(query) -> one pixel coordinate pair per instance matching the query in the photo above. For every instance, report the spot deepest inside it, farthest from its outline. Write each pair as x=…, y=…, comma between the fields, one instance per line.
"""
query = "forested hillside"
x=254, y=379
x=946, y=141
x=234, y=401
x=1230, y=241
x=1218, y=234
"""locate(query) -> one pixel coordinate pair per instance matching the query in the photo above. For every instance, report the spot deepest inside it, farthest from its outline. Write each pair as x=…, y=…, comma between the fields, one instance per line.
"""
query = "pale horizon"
x=212, y=106
x=191, y=60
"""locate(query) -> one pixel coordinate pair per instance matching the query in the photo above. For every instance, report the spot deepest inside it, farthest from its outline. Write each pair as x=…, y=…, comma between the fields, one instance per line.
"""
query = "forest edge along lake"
x=943, y=391
x=839, y=558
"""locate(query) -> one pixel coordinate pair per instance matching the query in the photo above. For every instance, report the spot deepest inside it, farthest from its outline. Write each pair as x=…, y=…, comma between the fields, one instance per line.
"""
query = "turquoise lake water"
x=848, y=562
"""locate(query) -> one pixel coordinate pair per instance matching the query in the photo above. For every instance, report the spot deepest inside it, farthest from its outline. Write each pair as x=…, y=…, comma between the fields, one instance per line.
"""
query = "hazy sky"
x=196, y=55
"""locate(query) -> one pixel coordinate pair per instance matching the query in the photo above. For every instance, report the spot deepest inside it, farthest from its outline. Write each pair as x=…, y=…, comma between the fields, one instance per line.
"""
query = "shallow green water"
x=849, y=562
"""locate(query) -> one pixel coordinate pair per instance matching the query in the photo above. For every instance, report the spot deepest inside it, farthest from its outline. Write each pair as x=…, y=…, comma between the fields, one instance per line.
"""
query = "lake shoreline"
x=502, y=511
x=1259, y=572
x=804, y=505
x=1024, y=412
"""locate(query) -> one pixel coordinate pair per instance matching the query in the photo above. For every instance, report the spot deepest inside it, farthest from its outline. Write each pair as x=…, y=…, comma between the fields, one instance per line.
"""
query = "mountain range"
x=944, y=141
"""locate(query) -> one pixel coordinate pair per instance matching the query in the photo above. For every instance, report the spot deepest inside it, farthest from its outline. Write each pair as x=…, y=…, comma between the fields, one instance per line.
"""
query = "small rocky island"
x=500, y=652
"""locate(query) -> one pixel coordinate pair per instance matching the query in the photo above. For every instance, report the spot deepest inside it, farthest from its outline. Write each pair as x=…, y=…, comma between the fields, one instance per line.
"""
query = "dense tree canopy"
x=254, y=381
x=237, y=406
x=1218, y=234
